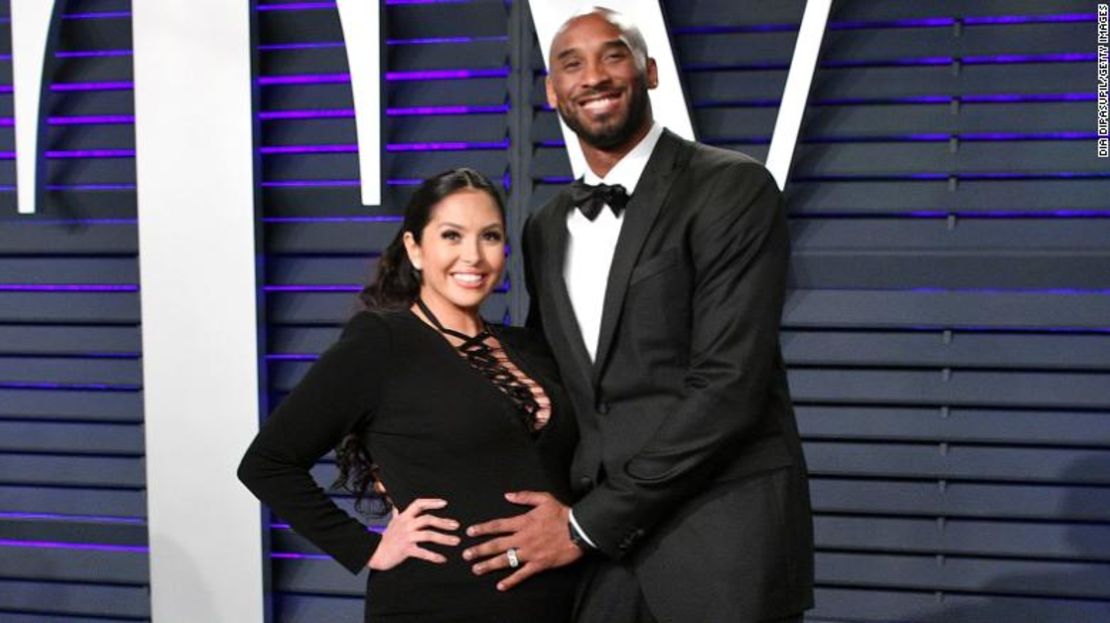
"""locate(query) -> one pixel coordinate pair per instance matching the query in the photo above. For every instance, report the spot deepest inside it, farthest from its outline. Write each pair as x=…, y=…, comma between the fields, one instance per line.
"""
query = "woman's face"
x=461, y=252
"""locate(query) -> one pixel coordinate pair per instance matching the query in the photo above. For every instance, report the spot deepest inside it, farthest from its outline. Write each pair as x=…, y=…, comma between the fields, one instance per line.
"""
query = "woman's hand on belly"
x=408, y=529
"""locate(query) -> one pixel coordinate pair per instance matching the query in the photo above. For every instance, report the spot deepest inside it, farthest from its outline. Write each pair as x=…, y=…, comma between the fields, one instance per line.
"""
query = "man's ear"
x=551, y=99
x=652, y=73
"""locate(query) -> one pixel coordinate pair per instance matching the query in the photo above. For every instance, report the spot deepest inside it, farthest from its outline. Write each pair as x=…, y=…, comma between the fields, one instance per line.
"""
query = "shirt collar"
x=628, y=169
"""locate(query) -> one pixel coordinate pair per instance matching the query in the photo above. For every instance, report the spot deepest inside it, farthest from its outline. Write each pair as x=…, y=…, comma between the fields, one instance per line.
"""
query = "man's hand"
x=540, y=537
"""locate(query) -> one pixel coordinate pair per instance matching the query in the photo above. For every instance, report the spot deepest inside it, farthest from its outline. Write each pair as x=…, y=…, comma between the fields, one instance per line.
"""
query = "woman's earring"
x=416, y=272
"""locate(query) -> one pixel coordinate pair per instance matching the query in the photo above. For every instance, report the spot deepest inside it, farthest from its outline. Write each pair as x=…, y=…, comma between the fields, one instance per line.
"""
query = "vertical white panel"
x=30, y=24
x=668, y=104
x=789, y=121
x=193, y=134
x=360, y=20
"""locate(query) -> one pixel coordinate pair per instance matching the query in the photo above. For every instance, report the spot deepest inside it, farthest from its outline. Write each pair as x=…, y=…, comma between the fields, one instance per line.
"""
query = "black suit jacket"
x=689, y=464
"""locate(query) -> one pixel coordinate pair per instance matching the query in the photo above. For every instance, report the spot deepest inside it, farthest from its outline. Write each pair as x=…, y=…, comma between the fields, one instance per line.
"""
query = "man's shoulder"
x=552, y=203
x=711, y=160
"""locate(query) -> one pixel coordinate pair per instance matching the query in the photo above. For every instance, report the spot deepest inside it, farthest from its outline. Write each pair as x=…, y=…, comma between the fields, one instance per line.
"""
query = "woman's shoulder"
x=374, y=326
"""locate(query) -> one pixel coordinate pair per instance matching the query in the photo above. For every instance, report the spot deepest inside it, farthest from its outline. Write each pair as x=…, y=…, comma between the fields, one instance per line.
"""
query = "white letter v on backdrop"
x=31, y=25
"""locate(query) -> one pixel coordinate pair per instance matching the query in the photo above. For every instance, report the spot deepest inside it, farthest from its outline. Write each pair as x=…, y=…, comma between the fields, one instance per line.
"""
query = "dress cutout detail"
x=485, y=354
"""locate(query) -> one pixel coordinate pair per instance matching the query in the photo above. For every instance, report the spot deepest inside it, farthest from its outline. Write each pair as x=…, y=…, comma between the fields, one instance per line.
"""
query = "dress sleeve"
x=335, y=395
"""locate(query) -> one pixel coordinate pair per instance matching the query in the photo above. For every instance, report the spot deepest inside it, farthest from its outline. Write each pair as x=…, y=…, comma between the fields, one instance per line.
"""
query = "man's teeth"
x=600, y=102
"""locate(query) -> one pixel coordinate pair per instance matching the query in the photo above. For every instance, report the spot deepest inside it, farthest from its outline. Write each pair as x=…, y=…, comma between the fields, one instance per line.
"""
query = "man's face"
x=596, y=84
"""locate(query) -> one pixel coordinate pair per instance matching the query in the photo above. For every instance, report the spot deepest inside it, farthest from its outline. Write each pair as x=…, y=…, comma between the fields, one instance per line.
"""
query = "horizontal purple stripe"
x=967, y=99
x=295, y=6
x=277, y=525
x=349, y=113
x=733, y=29
x=404, y=2
x=440, y=40
x=94, y=53
x=96, y=547
x=66, y=287
x=295, y=556
x=24, y=220
x=997, y=59
x=447, y=74
x=447, y=110
x=940, y=22
x=448, y=146
x=765, y=103
x=391, y=76
x=82, y=54
x=92, y=120
x=391, y=147
x=72, y=387
x=87, y=153
x=1029, y=19
x=333, y=288
x=942, y=137
x=334, y=113
x=79, y=120
x=328, y=45
x=73, y=518
x=315, y=288
x=1003, y=59
x=90, y=187
x=292, y=357
x=98, y=15
x=119, y=85
x=335, y=183
x=1052, y=175
x=1052, y=291
x=307, y=6
x=1006, y=214
x=333, y=219
x=308, y=149
x=317, y=45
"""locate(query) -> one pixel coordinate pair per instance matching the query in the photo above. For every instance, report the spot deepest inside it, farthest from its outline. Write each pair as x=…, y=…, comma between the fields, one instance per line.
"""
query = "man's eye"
x=572, y=65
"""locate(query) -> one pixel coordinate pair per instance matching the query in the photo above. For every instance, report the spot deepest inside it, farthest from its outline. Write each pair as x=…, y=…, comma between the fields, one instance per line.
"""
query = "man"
x=663, y=313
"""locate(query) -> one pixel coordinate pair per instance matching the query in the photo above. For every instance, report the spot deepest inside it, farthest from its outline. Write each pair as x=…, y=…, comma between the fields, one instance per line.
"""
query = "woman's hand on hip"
x=408, y=529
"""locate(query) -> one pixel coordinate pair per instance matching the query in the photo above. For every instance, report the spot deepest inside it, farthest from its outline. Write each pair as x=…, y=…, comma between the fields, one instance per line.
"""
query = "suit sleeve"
x=335, y=395
x=740, y=249
x=530, y=249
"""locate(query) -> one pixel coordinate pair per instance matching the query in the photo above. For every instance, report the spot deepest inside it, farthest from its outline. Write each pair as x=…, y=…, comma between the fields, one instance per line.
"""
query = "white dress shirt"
x=591, y=244
x=590, y=248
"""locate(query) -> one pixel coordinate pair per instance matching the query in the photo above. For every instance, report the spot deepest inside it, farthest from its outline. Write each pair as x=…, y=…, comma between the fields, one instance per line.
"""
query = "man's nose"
x=595, y=73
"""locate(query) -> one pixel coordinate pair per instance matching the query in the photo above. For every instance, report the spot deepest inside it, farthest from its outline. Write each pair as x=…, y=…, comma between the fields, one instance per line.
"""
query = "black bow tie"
x=591, y=199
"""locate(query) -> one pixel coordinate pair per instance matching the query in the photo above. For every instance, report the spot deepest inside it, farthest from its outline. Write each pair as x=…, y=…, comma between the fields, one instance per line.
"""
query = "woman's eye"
x=493, y=236
x=450, y=235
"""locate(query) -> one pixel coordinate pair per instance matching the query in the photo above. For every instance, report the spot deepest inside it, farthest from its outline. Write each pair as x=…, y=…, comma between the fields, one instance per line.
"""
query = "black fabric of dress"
x=437, y=428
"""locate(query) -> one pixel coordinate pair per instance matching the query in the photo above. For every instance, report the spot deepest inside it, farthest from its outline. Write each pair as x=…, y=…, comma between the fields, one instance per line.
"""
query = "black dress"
x=436, y=427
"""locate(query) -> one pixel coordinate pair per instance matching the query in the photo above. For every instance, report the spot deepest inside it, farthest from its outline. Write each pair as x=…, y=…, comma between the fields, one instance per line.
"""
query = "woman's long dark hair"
x=396, y=286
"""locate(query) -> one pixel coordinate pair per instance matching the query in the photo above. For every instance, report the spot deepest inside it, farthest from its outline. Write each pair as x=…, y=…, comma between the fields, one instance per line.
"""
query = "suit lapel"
x=555, y=234
x=639, y=216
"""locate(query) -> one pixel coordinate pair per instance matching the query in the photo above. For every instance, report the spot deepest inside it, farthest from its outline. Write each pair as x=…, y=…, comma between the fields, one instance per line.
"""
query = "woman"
x=453, y=412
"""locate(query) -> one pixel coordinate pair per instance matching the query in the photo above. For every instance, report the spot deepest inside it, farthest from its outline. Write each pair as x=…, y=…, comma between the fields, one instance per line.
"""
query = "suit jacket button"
x=603, y=408
x=586, y=482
